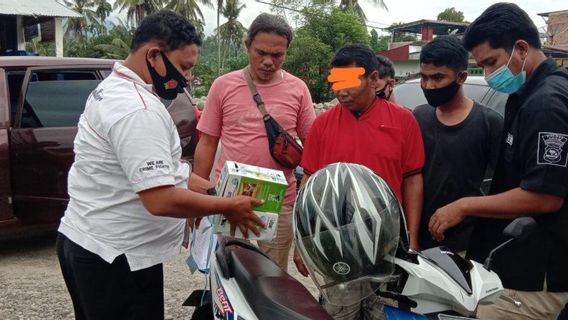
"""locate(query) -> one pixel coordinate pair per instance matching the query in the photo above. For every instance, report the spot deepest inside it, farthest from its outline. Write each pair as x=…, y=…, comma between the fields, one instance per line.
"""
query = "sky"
x=398, y=10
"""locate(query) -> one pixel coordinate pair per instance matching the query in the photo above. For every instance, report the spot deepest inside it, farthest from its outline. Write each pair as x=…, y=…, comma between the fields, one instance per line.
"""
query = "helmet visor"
x=348, y=263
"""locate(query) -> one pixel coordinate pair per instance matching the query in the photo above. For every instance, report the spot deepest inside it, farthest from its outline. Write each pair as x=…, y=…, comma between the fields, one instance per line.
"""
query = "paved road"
x=31, y=285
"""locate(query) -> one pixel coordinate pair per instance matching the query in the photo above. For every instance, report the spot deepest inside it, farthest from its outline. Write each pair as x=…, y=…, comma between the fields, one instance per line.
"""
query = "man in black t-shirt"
x=531, y=176
x=461, y=138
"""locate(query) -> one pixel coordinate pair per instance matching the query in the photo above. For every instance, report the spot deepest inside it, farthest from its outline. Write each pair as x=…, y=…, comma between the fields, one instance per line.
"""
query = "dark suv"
x=41, y=99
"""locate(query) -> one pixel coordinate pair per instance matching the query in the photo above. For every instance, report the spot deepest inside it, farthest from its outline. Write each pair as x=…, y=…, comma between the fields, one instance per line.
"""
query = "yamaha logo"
x=341, y=268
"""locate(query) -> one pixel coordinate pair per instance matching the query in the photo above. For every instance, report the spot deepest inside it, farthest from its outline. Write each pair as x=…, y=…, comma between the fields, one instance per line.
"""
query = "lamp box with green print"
x=262, y=183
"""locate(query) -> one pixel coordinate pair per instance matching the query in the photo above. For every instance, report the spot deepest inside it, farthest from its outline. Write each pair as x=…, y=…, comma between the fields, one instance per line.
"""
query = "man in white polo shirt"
x=128, y=186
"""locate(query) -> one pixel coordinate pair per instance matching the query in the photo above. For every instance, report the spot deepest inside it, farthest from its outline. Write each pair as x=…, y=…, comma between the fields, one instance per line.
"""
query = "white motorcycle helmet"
x=346, y=226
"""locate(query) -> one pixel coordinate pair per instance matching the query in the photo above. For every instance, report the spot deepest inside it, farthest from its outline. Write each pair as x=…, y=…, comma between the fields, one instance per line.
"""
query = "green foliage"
x=374, y=40
x=232, y=32
x=308, y=58
x=337, y=28
x=451, y=14
x=41, y=48
x=312, y=49
x=203, y=75
x=237, y=62
x=113, y=45
x=191, y=10
x=379, y=43
x=88, y=21
x=136, y=10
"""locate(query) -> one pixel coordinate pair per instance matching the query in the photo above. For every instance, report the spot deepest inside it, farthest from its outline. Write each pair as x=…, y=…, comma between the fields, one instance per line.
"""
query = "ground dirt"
x=32, y=287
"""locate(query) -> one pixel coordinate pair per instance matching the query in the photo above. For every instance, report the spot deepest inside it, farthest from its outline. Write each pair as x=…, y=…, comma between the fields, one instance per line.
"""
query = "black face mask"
x=171, y=84
x=381, y=93
x=441, y=96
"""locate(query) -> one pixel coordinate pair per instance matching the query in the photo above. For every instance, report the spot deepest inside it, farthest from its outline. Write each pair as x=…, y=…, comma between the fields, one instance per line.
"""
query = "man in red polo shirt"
x=370, y=131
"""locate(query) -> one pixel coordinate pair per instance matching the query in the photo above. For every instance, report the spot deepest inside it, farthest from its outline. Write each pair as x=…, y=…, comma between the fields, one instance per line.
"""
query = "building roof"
x=439, y=27
x=46, y=8
x=558, y=51
x=546, y=14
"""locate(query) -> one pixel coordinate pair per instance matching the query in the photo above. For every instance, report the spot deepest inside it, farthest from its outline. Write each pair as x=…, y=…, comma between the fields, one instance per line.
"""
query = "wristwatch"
x=212, y=191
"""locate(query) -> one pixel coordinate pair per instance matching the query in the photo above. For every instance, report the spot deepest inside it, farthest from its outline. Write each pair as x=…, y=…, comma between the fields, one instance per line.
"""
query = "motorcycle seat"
x=271, y=292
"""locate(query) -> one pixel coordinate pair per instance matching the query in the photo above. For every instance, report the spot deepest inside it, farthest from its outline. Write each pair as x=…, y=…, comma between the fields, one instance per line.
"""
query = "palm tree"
x=138, y=9
x=103, y=9
x=190, y=9
x=231, y=32
x=119, y=47
x=79, y=26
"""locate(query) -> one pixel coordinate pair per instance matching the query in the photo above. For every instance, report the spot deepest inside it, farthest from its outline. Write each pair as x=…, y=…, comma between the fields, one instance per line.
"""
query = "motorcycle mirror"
x=520, y=228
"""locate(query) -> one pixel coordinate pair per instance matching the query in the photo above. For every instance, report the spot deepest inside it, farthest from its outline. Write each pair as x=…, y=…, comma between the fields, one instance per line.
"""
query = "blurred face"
x=491, y=59
x=436, y=77
x=266, y=54
x=359, y=98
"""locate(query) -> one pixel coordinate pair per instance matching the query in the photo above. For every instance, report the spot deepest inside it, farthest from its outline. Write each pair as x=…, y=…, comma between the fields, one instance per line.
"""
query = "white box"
x=262, y=183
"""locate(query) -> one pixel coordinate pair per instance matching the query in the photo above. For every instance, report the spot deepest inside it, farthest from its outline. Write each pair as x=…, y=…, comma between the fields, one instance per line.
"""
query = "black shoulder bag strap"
x=273, y=128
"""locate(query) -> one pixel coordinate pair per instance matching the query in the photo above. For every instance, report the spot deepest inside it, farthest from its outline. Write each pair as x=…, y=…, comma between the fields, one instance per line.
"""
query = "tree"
x=308, y=58
x=191, y=10
x=306, y=7
x=379, y=43
x=374, y=41
x=314, y=43
x=231, y=32
x=383, y=43
x=103, y=10
x=79, y=26
x=219, y=9
x=136, y=10
x=355, y=7
x=116, y=45
x=451, y=14
x=337, y=28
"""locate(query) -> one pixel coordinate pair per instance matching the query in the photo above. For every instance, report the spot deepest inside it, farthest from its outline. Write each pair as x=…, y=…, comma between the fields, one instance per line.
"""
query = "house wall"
x=396, y=54
x=558, y=28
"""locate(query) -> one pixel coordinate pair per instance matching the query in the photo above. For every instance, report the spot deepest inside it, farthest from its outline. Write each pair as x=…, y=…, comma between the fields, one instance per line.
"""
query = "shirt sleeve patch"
x=153, y=166
x=552, y=149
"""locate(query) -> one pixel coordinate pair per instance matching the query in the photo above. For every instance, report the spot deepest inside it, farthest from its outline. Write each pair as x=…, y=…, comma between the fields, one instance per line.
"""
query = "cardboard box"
x=262, y=183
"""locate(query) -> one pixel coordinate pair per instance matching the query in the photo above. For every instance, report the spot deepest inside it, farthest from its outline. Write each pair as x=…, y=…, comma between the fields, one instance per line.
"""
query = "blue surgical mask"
x=503, y=79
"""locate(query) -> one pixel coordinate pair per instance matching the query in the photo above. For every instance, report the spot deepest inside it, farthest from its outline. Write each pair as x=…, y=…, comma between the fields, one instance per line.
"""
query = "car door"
x=183, y=112
x=45, y=123
x=5, y=186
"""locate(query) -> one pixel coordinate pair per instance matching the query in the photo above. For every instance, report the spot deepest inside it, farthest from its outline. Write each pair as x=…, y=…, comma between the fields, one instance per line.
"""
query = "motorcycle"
x=244, y=283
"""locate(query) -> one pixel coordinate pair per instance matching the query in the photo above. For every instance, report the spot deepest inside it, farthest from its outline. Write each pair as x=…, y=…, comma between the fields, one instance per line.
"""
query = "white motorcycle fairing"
x=439, y=280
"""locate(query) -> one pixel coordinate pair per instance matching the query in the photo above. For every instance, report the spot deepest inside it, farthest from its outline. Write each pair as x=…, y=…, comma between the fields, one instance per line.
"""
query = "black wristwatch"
x=212, y=191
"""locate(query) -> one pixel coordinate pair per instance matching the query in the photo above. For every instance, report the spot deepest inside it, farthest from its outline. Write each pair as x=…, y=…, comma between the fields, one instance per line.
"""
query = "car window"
x=57, y=99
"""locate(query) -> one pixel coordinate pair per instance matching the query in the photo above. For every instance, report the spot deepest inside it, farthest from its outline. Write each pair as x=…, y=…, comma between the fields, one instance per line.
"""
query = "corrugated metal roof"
x=46, y=8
